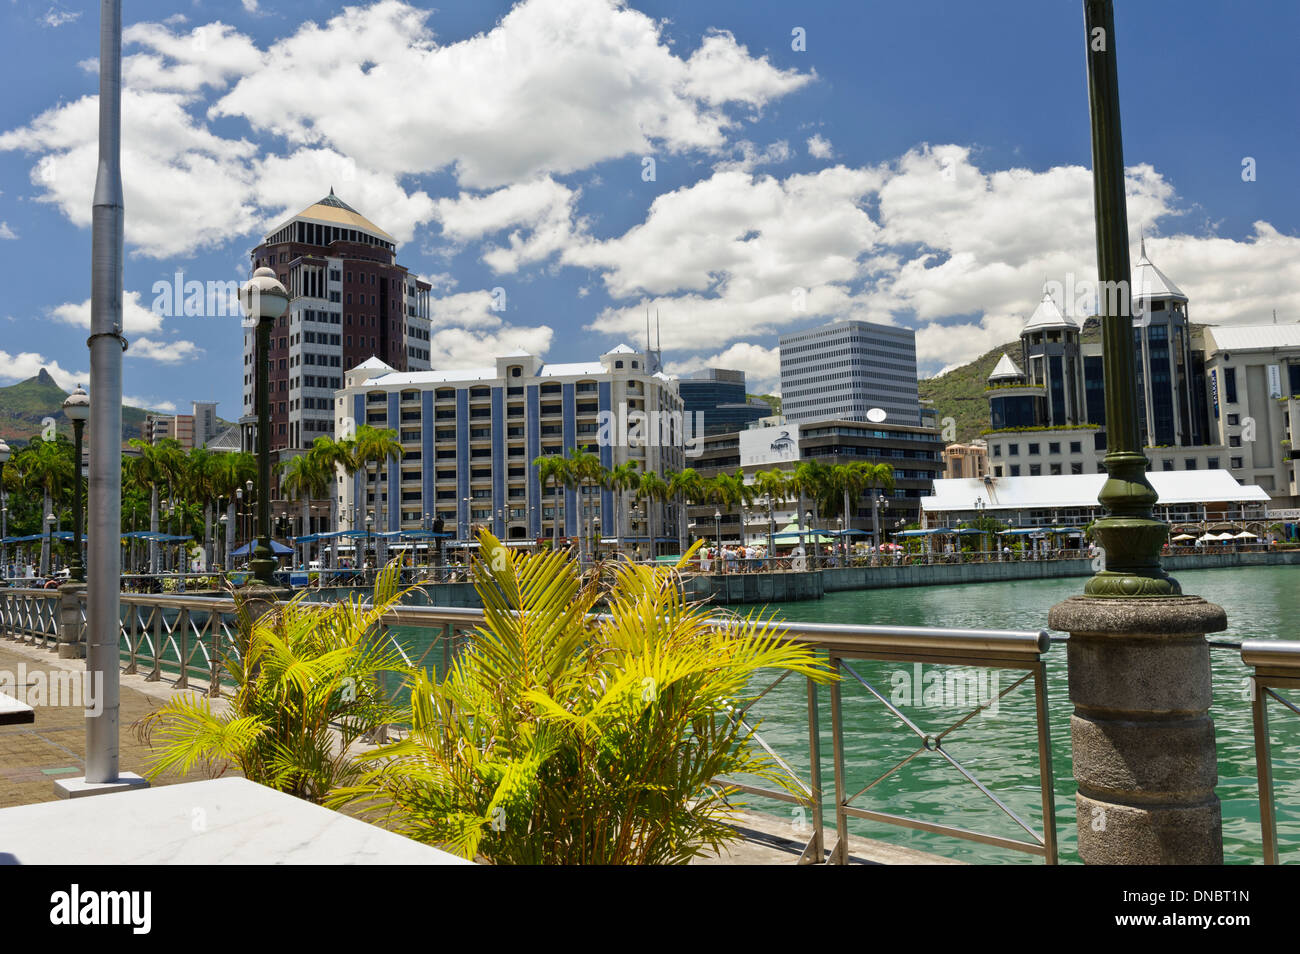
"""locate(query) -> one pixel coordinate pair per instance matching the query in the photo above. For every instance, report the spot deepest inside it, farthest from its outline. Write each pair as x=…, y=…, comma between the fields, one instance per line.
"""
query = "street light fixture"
x=878, y=500
x=4, y=507
x=979, y=518
x=50, y=521
x=264, y=300
x=370, y=524
x=77, y=409
x=808, y=521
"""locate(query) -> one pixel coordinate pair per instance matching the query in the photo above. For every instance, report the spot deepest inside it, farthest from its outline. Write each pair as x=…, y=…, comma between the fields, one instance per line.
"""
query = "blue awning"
x=277, y=548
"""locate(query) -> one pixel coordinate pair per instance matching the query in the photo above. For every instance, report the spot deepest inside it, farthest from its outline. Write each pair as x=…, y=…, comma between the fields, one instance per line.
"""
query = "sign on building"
x=769, y=445
x=1274, y=381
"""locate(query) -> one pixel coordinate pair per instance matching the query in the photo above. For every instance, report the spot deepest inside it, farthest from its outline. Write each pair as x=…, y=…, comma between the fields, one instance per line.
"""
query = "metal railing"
x=1276, y=665
x=183, y=639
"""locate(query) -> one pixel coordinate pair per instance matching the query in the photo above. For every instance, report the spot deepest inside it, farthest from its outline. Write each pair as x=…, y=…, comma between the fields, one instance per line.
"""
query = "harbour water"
x=1000, y=748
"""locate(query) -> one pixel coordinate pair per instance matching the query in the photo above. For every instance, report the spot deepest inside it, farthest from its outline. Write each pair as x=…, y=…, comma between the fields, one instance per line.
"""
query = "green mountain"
x=24, y=405
x=959, y=394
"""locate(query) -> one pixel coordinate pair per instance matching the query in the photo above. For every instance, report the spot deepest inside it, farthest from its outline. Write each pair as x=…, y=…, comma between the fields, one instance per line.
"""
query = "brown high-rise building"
x=349, y=300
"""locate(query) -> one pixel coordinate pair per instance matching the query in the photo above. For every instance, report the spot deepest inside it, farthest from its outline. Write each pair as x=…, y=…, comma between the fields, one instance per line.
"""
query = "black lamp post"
x=4, y=507
x=50, y=520
x=370, y=523
x=1129, y=533
x=77, y=410
x=816, y=552
x=264, y=300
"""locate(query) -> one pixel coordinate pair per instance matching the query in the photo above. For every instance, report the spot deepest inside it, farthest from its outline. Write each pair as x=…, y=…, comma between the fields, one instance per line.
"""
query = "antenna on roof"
x=1143, y=244
x=647, y=328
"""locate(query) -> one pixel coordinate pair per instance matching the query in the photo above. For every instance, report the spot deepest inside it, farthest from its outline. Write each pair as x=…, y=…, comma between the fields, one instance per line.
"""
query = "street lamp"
x=225, y=533
x=979, y=517
x=264, y=300
x=808, y=521
x=77, y=409
x=844, y=541
x=1129, y=533
x=370, y=524
x=50, y=521
x=771, y=532
x=4, y=507
x=878, y=500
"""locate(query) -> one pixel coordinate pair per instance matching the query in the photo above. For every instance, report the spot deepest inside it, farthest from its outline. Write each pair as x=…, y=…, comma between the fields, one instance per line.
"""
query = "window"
x=1076, y=447
x=1033, y=450
x=1056, y=470
x=1099, y=441
x=1166, y=465
x=1236, y=463
x=1013, y=450
x=1054, y=447
x=1234, y=440
x=1035, y=470
x=1234, y=420
x=1230, y=385
x=1212, y=463
x=1076, y=467
x=997, y=450
x=1189, y=463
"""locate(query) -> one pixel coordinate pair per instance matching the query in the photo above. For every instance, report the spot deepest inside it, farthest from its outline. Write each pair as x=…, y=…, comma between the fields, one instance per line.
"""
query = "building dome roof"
x=1006, y=370
x=332, y=210
x=1047, y=315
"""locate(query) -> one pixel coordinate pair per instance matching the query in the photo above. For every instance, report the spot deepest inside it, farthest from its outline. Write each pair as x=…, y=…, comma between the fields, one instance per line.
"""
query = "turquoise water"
x=1000, y=749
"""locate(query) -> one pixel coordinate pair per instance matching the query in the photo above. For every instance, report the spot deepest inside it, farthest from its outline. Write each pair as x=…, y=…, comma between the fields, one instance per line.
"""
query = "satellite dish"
x=876, y=415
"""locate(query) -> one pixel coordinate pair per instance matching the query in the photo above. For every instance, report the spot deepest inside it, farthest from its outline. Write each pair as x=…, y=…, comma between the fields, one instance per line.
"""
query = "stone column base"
x=72, y=634
x=1141, y=735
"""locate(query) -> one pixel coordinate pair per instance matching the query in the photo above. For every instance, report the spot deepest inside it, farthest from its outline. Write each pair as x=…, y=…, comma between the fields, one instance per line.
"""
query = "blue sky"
x=919, y=163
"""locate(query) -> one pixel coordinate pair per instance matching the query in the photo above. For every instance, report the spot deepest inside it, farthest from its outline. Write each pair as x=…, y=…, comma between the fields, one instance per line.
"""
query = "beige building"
x=966, y=460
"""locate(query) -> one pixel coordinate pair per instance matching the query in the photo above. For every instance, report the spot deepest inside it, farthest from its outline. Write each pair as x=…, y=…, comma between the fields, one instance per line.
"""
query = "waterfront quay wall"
x=791, y=587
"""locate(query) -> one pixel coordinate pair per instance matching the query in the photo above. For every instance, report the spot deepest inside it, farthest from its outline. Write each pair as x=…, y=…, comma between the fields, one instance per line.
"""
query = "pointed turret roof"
x=1006, y=370
x=1151, y=283
x=1047, y=315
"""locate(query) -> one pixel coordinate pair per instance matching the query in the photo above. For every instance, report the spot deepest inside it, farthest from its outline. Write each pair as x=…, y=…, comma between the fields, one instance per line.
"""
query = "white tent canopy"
x=1064, y=491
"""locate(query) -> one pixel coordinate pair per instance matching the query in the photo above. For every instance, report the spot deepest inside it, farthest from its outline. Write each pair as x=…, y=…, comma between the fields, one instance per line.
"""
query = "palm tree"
x=230, y=472
x=554, y=470
x=376, y=446
x=146, y=474
x=775, y=486
x=621, y=479
x=730, y=490
x=879, y=476
x=585, y=470
x=808, y=481
x=655, y=491
x=306, y=479
x=333, y=457
x=686, y=486
x=47, y=466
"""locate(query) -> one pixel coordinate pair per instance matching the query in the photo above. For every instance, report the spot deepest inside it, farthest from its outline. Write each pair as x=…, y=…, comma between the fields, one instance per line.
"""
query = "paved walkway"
x=33, y=756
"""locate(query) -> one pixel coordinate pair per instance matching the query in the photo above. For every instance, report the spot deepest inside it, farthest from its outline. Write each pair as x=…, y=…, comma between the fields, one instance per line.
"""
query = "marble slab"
x=13, y=712
x=221, y=821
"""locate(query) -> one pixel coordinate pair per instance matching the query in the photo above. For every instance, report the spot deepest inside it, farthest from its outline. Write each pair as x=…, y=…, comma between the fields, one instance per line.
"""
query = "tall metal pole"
x=1129, y=533
x=103, y=619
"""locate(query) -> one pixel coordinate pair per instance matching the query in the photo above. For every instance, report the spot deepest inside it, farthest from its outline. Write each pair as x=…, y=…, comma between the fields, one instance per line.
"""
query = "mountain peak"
x=44, y=378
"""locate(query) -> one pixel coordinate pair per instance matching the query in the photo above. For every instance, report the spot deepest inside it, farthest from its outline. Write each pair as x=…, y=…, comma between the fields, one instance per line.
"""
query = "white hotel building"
x=470, y=437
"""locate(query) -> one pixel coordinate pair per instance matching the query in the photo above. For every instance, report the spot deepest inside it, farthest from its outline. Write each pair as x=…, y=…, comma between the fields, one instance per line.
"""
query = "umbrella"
x=1206, y=538
x=1184, y=536
x=1246, y=535
x=276, y=547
